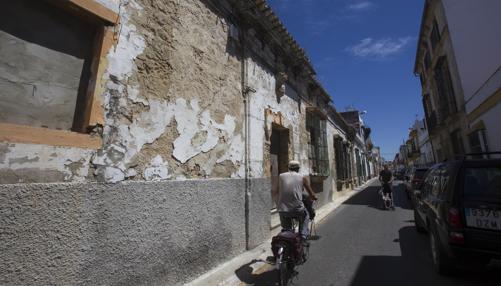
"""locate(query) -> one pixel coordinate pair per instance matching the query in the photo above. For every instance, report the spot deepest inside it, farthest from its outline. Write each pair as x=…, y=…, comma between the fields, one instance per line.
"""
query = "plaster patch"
x=73, y=163
x=189, y=123
x=235, y=152
x=112, y=174
x=133, y=95
x=145, y=129
x=130, y=173
x=130, y=45
x=240, y=172
x=157, y=171
x=123, y=141
x=150, y=125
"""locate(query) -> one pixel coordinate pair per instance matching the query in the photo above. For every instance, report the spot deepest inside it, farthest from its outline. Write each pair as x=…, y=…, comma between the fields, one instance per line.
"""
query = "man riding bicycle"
x=290, y=199
x=386, y=178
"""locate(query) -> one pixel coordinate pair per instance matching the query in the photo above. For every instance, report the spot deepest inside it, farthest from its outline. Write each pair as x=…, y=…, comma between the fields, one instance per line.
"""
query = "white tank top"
x=290, y=192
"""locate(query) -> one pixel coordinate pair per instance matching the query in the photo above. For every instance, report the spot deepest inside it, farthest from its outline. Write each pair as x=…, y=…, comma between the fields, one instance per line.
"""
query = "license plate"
x=483, y=218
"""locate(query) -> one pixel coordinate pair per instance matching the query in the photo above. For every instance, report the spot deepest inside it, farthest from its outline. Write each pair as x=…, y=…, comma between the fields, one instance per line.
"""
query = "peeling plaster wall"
x=262, y=80
x=179, y=99
x=292, y=109
x=26, y=163
x=172, y=100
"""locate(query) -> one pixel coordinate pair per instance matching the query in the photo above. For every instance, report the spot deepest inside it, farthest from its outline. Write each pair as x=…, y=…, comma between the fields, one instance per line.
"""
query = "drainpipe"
x=246, y=101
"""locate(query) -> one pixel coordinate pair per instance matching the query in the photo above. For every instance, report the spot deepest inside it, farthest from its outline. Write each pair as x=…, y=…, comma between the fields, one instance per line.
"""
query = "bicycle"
x=289, y=251
x=387, y=198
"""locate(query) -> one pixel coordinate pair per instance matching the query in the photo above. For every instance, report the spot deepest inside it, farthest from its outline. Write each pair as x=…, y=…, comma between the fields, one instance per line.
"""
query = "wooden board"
x=34, y=135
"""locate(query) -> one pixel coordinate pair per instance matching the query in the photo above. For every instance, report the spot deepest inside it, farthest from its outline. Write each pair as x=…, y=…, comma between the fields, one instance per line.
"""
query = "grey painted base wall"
x=137, y=233
x=259, y=211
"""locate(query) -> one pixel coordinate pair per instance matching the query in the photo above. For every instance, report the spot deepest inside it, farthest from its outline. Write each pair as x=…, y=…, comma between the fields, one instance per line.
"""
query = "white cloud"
x=382, y=48
x=360, y=6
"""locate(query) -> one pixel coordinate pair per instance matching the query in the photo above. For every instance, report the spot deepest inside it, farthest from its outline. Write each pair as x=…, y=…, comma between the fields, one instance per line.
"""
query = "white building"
x=475, y=29
x=459, y=62
x=425, y=149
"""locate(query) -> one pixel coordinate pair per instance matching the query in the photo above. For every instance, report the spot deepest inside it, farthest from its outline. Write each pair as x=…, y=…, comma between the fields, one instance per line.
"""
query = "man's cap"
x=293, y=164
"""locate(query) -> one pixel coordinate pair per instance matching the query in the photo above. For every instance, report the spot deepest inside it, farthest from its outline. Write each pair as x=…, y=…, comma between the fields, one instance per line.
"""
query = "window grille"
x=318, y=150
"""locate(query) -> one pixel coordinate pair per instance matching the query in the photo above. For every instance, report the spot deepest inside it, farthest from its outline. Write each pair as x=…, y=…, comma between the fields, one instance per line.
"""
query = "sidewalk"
x=253, y=262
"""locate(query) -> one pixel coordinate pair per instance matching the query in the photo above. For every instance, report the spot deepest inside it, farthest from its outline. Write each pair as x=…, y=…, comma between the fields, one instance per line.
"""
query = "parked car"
x=399, y=174
x=415, y=181
x=459, y=206
x=408, y=173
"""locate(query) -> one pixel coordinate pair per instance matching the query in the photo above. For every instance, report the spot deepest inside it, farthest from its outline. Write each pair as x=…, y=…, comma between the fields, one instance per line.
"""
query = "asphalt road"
x=360, y=244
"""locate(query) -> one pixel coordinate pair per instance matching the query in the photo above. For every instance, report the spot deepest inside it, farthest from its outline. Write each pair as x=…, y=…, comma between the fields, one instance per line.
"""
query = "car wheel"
x=443, y=264
x=418, y=222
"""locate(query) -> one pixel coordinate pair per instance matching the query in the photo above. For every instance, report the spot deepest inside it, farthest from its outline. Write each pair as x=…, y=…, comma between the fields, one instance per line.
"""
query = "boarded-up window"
x=45, y=65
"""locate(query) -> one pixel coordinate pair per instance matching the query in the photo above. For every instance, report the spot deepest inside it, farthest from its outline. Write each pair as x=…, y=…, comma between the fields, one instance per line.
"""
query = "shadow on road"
x=414, y=267
x=370, y=197
x=268, y=278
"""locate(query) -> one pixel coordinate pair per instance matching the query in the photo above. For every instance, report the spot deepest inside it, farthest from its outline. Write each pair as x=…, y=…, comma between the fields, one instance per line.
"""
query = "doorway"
x=279, y=156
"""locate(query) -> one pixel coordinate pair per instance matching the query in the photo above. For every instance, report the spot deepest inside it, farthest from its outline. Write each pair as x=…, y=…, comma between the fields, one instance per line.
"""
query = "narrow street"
x=360, y=245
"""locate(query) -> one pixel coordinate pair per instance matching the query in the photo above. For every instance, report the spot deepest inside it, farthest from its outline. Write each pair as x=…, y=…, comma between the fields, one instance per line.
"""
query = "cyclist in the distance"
x=386, y=178
x=290, y=199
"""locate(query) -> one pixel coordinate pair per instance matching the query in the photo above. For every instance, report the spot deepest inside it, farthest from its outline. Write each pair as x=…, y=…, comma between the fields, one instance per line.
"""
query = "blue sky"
x=363, y=52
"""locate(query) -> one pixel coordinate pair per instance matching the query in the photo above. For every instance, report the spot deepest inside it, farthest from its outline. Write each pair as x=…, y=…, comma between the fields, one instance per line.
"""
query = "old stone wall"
x=186, y=120
x=172, y=100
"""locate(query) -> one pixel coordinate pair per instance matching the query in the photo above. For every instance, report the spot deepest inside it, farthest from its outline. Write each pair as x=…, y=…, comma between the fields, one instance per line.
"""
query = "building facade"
x=139, y=140
x=474, y=30
x=361, y=167
x=442, y=93
x=425, y=149
x=458, y=63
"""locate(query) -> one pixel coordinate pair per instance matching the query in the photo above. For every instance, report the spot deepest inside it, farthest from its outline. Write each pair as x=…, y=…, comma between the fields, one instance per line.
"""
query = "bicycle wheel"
x=283, y=271
x=387, y=203
x=306, y=253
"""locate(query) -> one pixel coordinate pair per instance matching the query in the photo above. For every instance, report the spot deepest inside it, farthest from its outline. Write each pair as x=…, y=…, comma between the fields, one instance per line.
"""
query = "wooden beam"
x=95, y=112
x=34, y=135
x=96, y=9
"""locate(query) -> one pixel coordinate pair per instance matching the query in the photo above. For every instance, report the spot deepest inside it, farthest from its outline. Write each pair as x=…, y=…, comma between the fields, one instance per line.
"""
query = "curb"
x=224, y=274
